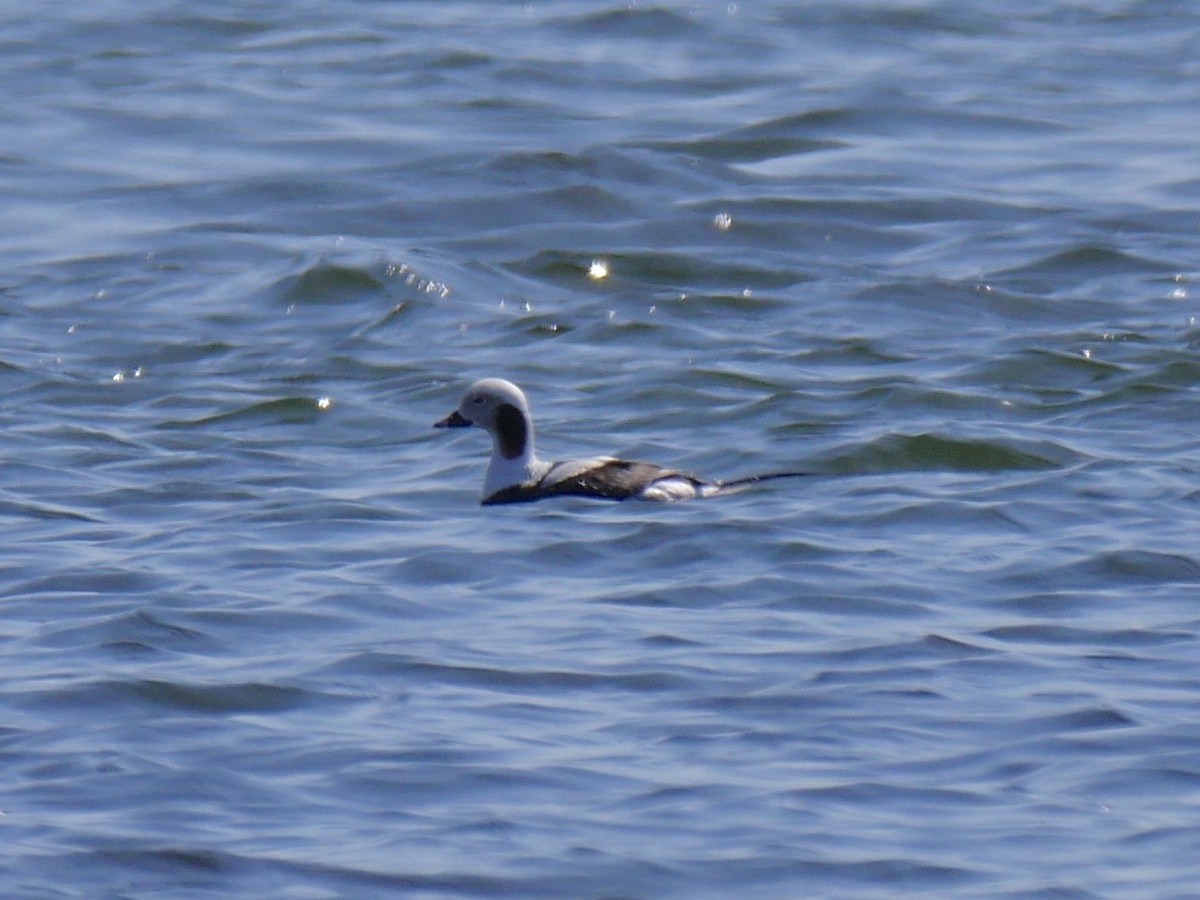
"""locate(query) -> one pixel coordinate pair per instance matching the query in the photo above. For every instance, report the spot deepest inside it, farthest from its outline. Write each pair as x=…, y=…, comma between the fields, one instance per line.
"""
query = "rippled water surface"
x=259, y=638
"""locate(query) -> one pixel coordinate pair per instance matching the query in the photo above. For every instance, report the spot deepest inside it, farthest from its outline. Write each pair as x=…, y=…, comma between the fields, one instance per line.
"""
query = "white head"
x=500, y=407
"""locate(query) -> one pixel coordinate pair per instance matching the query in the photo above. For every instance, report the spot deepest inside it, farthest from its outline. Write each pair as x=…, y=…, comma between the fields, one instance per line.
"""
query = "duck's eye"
x=477, y=401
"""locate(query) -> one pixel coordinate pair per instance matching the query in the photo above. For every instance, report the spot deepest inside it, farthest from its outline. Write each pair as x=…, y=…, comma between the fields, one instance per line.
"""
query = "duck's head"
x=500, y=407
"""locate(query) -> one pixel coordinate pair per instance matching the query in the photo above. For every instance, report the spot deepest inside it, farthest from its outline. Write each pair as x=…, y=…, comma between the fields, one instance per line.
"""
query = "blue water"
x=260, y=640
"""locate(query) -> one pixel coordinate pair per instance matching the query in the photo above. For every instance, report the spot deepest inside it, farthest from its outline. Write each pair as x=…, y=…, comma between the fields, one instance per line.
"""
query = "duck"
x=516, y=474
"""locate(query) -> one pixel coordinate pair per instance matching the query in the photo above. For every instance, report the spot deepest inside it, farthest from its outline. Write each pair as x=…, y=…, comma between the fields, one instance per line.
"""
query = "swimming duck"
x=516, y=474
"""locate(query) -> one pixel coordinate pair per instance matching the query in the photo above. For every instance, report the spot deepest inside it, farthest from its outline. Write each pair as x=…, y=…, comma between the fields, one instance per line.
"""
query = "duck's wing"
x=604, y=478
x=612, y=479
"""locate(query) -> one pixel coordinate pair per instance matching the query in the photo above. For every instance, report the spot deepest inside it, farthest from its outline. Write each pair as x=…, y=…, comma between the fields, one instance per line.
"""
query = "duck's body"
x=516, y=474
x=603, y=477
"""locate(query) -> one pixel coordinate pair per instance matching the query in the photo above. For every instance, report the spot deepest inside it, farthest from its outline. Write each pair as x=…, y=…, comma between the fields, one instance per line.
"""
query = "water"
x=259, y=638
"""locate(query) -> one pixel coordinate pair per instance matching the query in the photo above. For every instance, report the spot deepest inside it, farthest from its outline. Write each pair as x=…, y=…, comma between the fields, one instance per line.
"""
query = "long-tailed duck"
x=516, y=475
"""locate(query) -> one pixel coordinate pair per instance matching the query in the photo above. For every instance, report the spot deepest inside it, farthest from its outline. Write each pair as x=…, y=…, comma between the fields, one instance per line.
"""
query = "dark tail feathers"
x=740, y=484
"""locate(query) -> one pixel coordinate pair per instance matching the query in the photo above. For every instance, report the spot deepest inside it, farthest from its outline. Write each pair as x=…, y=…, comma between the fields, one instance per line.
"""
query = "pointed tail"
x=741, y=484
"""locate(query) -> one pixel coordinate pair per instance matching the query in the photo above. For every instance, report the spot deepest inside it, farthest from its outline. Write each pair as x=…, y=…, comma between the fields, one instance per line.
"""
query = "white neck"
x=504, y=473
